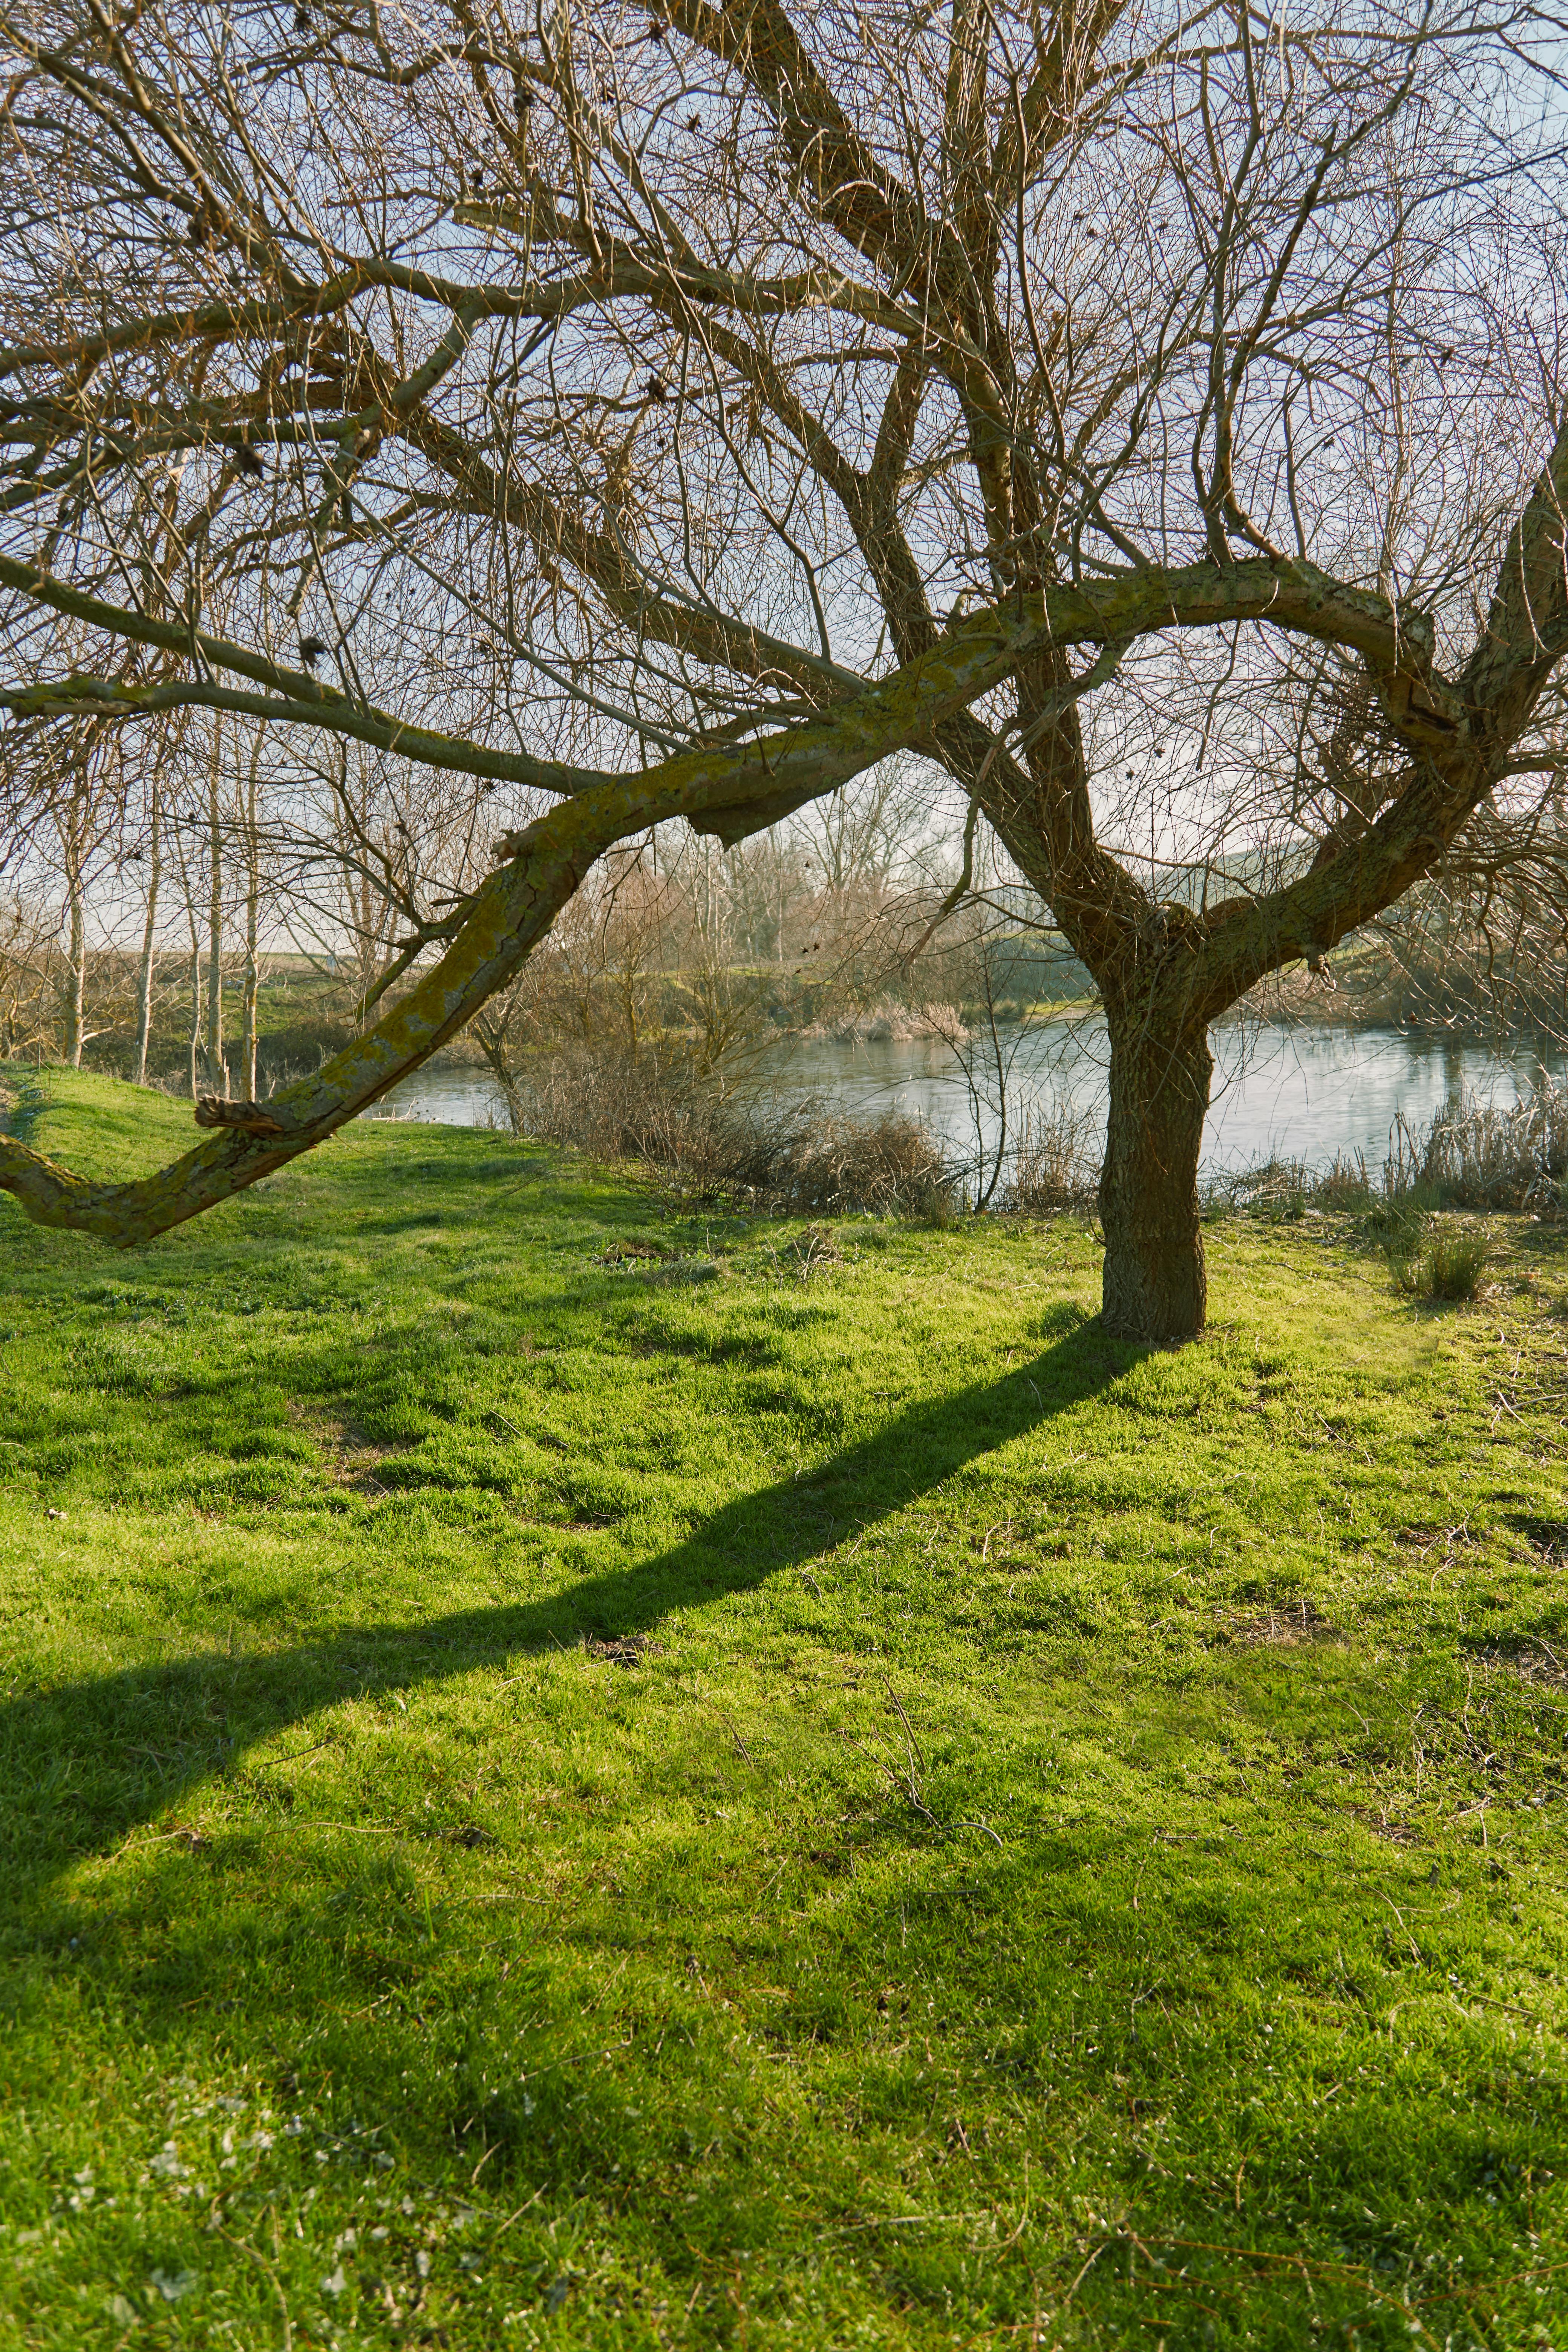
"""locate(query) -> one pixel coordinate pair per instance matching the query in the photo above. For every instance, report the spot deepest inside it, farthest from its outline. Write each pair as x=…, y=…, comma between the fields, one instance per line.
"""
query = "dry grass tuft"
x=1281, y=1629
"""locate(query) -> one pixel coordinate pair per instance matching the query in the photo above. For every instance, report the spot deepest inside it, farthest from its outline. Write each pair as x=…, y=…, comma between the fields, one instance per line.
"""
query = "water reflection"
x=1298, y=1092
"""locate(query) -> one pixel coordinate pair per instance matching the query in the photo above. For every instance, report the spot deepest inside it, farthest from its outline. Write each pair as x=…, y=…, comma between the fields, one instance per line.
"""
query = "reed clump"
x=1476, y=1154
x=1472, y=1154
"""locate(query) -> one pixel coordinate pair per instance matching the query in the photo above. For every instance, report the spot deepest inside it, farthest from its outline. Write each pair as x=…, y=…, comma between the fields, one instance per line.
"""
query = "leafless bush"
x=1056, y=1164
x=887, y=1022
x=1276, y=1189
x=29, y=983
x=1346, y=1184
x=655, y=1109
x=890, y=1162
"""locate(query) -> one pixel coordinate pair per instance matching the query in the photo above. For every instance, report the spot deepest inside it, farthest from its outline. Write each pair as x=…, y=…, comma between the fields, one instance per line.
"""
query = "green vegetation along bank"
x=578, y=1779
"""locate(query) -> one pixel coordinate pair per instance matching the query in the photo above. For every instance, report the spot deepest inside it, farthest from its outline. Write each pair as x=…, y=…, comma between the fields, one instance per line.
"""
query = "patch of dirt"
x=1381, y=1826
x=1284, y=1628
x=1536, y=1664
x=351, y=1452
x=623, y=1649
x=1548, y=1538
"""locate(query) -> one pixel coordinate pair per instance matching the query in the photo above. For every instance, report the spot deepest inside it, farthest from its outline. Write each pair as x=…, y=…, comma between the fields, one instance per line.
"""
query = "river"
x=1286, y=1090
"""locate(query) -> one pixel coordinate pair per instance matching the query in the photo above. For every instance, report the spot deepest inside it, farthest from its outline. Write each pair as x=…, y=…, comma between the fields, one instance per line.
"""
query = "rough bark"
x=1156, y=1284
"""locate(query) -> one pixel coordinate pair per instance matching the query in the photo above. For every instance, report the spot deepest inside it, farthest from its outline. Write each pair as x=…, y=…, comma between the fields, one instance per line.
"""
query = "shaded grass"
x=549, y=1803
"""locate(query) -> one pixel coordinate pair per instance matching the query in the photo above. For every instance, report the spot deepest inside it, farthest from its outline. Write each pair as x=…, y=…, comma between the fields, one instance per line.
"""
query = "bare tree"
x=1152, y=417
x=147, y=965
x=27, y=945
x=248, y=818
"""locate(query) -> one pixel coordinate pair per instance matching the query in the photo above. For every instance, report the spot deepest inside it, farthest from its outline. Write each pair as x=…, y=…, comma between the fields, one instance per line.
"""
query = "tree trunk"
x=218, y=1072
x=252, y=990
x=1155, y=1283
x=149, y=940
x=196, y=1003
x=76, y=977
x=252, y=928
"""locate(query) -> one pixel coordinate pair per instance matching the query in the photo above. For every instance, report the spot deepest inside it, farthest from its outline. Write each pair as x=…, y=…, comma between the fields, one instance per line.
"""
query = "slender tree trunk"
x=145, y=977
x=76, y=976
x=252, y=928
x=217, y=1074
x=252, y=990
x=195, y=999
x=188, y=900
x=1155, y=1283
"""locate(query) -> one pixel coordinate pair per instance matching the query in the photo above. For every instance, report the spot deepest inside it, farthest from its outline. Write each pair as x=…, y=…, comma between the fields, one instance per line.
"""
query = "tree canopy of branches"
x=1151, y=415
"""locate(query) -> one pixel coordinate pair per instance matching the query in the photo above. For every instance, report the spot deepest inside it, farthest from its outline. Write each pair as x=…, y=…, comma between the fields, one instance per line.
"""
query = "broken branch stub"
x=249, y=1118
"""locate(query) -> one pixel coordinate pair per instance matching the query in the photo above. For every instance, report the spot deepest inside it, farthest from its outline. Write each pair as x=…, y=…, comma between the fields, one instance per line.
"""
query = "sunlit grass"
x=546, y=1802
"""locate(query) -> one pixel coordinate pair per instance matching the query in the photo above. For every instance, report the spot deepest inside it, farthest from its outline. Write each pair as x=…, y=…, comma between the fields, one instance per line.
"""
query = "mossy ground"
x=547, y=1802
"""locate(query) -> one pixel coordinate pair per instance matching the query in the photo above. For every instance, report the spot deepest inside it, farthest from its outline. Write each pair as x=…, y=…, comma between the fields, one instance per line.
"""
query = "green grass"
x=1448, y=1270
x=831, y=1805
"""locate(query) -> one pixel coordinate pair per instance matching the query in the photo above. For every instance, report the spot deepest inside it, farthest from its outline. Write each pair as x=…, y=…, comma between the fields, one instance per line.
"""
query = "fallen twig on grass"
x=578, y=2058
x=246, y=2248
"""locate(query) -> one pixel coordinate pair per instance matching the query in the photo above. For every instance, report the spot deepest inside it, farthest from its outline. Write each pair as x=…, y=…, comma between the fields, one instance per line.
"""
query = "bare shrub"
x=1345, y=1183
x=1056, y=1163
x=640, y=1032
x=1276, y=1189
x=888, y=1022
x=890, y=1163
x=29, y=989
x=655, y=1107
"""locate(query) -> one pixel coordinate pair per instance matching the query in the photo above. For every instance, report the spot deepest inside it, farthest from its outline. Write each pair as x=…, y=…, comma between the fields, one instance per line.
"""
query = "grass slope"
x=545, y=1804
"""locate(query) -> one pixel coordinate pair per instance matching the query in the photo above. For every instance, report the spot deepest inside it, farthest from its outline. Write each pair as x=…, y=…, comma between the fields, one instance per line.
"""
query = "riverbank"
x=1280, y=1093
x=575, y=1777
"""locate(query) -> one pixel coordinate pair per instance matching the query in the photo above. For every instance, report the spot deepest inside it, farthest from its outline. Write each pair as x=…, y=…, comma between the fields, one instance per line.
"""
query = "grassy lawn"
x=554, y=1802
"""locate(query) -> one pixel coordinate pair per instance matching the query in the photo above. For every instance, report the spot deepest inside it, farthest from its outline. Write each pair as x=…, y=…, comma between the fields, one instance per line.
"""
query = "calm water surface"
x=1297, y=1092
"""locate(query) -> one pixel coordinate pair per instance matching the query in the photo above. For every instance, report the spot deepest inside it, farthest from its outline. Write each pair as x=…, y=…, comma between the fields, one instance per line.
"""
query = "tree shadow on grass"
x=85, y=1762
